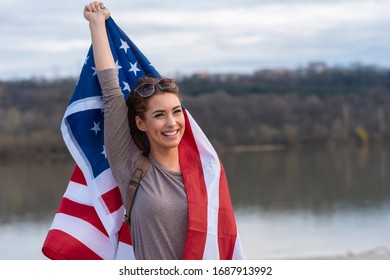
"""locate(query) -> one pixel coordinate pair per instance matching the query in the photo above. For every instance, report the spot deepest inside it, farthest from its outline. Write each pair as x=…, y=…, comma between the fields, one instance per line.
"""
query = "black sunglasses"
x=147, y=89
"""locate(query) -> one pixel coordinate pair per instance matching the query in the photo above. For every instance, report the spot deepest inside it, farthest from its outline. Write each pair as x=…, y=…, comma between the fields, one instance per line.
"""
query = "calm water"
x=310, y=203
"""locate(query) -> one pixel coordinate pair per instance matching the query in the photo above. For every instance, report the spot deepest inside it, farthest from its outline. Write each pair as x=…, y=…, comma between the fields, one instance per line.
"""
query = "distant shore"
x=254, y=148
x=379, y=253
x=58, y=153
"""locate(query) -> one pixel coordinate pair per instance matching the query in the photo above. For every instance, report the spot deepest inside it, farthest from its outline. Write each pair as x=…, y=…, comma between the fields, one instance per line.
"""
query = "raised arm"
x=96, y=14
x=119, y=146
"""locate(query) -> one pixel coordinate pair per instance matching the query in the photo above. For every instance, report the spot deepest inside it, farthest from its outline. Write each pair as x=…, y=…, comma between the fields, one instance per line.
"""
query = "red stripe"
x=227, y=230
x=62, y=246
x=194, y=182
x=124, y=234
x=78, y=176
x=113, y=199
x=84, y=212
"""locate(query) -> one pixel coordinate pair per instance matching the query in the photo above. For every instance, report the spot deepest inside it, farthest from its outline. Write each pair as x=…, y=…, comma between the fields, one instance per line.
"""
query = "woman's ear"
x=140, y=123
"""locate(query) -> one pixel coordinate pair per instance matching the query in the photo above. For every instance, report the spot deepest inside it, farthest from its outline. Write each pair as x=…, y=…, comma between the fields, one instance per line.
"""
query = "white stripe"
x=238, y=253
x=112, y=221
x=78, y=193
x=95, y=239
x=89, y=103
x=105, y=182
x=211, y=172
x=125, y=252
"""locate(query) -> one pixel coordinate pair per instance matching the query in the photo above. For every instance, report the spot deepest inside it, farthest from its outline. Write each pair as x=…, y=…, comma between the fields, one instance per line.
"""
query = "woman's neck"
x=167, y=158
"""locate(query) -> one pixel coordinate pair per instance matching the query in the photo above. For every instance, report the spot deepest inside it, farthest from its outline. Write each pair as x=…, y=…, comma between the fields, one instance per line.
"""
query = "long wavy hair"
x=137, y=106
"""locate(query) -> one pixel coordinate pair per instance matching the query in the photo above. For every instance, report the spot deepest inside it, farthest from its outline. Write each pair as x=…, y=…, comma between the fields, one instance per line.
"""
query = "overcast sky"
x=44, y=38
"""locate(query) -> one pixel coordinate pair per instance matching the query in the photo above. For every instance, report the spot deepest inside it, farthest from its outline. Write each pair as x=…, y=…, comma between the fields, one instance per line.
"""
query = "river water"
x=293, y=204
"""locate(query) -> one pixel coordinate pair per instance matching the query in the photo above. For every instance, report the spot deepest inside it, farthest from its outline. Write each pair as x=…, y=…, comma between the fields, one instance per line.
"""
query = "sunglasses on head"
x=147, y=89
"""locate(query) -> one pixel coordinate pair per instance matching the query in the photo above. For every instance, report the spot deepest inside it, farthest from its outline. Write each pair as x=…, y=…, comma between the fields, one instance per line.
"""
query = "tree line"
x=312, y=105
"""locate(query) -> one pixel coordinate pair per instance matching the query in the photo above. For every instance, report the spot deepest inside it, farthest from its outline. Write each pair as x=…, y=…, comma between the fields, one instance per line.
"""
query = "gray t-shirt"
x=159, y=217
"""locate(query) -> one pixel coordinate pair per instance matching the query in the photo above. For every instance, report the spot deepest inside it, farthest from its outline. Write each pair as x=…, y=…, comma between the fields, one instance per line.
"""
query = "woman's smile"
x=171, y=134
x=164, y=121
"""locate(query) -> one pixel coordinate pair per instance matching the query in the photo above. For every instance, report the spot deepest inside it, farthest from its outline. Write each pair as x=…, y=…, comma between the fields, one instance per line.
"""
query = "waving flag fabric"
x=89, y=221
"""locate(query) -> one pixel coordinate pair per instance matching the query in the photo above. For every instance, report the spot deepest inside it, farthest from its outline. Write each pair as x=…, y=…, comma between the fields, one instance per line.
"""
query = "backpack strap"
x=141, y=166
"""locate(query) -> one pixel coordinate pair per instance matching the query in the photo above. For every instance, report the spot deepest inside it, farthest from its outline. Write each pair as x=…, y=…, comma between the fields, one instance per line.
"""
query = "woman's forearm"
x=101, y=48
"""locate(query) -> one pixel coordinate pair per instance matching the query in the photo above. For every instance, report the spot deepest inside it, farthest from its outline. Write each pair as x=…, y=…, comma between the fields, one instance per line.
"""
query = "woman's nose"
x=170, y=120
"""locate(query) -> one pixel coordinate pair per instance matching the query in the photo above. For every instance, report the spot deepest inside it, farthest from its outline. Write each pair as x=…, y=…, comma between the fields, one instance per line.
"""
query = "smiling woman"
x=182, y=207
x=163, y=123
x=154, y=110
x=161, y=219
x=159, y=216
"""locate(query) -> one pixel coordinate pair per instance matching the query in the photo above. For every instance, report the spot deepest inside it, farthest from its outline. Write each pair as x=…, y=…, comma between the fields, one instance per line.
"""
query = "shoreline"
x=378, y=253
x=59, y=155
x=254, y=148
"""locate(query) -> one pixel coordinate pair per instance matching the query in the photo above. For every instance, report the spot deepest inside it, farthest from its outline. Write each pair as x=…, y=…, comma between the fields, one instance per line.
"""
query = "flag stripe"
x=113, y=199
x=85, y=233
x=85, y=212
x=125, y=252
x=78, y=176
x=238, y=253
x=125, y=248
x=58, y=242
x=112, y=221
x=84, y=104
x=227, y=229
x=194, y=182
x=210, y=167
x=78, y=193
x=124, y=234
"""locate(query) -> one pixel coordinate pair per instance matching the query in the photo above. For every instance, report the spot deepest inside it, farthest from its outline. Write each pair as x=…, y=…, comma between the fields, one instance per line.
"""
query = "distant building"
x=317, y=67
x=274, y=74
x=201, y=75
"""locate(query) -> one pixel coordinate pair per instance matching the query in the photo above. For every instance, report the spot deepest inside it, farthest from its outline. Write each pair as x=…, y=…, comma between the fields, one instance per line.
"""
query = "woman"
x=159, y=217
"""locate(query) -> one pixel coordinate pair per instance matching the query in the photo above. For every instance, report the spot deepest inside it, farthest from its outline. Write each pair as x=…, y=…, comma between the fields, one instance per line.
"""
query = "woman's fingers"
x=88, y=8
x=96, y=6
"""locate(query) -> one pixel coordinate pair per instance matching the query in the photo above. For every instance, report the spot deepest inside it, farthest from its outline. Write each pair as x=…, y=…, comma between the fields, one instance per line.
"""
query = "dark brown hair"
x=137, y=106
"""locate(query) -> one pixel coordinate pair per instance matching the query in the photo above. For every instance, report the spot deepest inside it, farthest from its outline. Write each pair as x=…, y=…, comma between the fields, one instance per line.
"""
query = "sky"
x=50, y=39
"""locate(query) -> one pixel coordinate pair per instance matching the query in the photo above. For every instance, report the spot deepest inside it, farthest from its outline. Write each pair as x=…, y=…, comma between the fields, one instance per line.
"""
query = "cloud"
x=265, y=34
x=181, y=36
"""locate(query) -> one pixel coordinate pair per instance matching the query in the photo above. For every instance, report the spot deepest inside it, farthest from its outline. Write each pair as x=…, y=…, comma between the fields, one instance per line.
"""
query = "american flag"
x=89, y=221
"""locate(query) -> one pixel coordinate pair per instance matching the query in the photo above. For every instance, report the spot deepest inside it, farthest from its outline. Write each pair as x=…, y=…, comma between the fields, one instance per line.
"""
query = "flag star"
x=127, y=87
x=104, y=152
x=94, y=71
x=117, y=65
x=96, y=127
x=86, y=60
x=134, y=68
x=124, y=46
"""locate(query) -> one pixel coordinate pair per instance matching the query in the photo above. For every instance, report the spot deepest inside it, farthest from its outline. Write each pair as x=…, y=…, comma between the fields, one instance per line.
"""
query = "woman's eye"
x=177, y=111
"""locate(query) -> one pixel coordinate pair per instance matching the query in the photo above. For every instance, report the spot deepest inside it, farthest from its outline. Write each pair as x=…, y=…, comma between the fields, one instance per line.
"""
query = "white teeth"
x=170, y=133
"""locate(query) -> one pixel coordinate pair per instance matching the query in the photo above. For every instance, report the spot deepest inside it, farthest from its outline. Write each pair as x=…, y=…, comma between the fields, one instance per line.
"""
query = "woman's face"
x=164, y=121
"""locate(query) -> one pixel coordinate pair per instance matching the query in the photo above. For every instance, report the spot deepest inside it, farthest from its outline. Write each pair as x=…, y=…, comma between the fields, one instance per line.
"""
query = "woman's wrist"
x=97, y=22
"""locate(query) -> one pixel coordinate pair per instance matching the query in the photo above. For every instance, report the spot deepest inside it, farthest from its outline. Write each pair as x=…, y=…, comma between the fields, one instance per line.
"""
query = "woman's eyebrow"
x=162, y=111
x=158, y=111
